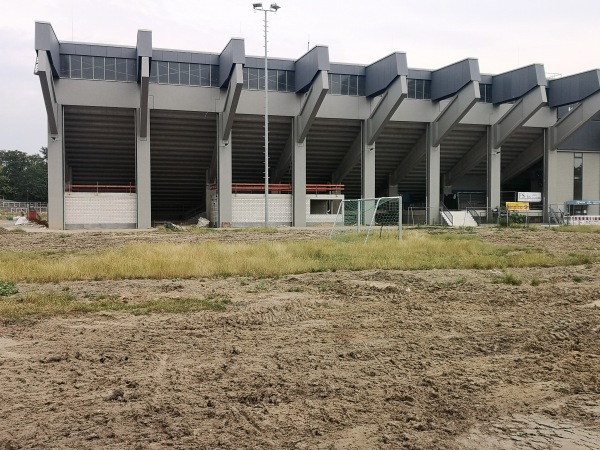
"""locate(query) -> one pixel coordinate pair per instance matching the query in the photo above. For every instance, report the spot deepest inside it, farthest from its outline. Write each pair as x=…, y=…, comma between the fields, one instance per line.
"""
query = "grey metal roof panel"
x=114, y=52
x=83, y=49
x=512, y=85
x=347, y=69
x=447, y=81
x=184, y=57
x=45, y=39
x=487, y=79
x=574, y=88
x=97, y=50
x=380, y=74
x=307, y=67
x=144, y=43
x=419, y=74
x=127, y=52
x=205, y=58
x=169, y=55
x=586, y=139
x=233, y=53
x=259, y=63
x=67, y=48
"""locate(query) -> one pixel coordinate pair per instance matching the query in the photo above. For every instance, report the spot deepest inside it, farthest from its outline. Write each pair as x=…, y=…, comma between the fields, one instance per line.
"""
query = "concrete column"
x=494, y=162
x=207, y=197
x=551, y=185
x=392, y=190
x=56, y=176
x=224, y=178
x=433, y=179
x=143, y=174
x=367, y=165
x=298, y=179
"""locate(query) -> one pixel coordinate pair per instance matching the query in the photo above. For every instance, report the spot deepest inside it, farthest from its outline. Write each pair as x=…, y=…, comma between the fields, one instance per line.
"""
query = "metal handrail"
x=446, y=212
x=280, y=188
x=559, y=217
x=471, y=210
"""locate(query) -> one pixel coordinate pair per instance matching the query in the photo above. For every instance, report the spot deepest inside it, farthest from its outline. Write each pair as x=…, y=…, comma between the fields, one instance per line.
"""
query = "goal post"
x=367, y=216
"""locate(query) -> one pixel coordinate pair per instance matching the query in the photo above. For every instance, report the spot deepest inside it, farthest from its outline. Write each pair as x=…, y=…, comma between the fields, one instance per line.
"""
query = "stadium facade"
x=138, y=135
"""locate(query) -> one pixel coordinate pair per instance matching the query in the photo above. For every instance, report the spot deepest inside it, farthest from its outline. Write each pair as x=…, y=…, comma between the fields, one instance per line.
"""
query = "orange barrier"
x=278, y=188
x=100, y=188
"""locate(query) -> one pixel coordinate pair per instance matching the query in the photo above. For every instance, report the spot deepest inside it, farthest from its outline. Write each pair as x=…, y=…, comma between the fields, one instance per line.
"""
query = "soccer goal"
x=367, y=216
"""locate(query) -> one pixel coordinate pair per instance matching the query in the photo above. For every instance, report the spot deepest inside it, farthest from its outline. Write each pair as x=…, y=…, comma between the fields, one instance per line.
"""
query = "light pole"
x=273, y=8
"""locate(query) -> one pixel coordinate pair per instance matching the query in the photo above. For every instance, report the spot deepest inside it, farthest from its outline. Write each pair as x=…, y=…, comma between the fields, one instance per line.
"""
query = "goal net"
x=367, y=216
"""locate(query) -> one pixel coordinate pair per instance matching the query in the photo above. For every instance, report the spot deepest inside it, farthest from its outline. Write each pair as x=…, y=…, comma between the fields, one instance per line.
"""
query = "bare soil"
x=439, y=359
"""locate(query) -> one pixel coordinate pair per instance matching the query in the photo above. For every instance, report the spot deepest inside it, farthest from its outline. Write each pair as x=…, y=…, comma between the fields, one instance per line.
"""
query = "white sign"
x=529, y=196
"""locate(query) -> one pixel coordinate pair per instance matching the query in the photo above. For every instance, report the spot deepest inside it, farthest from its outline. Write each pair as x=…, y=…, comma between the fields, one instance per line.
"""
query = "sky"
x=502, y=35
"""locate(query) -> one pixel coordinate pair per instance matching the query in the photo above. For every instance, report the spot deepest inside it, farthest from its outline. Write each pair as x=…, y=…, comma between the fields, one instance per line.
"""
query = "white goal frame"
x=365, y=214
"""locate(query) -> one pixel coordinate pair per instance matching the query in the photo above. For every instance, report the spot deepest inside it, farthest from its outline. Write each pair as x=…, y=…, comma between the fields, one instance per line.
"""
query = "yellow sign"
x=517, y=206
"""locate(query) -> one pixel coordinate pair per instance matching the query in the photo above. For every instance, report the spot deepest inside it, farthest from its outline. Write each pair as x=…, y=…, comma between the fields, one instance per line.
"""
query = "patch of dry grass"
x=47, y=304
x=418, y=250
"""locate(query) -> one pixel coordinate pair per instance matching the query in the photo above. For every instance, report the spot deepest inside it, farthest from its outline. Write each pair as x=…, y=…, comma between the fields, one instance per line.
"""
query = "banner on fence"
x=517, y=206
x=533, y=197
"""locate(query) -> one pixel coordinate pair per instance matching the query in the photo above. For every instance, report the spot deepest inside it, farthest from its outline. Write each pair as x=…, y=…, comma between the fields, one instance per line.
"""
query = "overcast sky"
x=503, y=35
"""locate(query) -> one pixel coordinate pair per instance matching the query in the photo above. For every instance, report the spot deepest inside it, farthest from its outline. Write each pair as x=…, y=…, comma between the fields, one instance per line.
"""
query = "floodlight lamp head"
x=257, y=5
x=275, y=7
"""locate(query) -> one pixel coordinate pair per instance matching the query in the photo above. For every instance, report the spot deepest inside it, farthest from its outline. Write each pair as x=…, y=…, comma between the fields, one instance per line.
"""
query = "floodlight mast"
x=273, y=8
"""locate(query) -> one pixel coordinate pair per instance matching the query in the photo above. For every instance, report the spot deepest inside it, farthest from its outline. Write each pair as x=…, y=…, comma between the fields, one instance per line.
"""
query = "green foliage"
x=23, y=177
x=7, y=288
x=535, y=282
x=508, y=278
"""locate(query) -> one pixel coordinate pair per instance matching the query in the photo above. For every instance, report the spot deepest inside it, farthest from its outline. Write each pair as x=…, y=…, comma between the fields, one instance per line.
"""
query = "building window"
x=343, y=84
x=98, y=68
x=184, y=74
x=419, y=89
x=485, y=93
x=279, y=80
x=578, y=176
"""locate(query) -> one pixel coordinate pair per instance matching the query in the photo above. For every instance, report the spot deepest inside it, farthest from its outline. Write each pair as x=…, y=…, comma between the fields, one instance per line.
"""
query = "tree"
x=23, y=177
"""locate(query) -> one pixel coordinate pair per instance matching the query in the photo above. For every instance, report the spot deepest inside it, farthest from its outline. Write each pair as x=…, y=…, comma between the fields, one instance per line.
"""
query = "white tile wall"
x=88, y=208
x=249, y=209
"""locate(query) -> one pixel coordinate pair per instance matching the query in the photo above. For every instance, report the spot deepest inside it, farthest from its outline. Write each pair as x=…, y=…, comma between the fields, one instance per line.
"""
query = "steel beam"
x=518, y=115
x=351, y=159
x=44, y=72
x=469, y=161
x=234, y=91
x=525, y=160
x=574, y=120
x=410, y=161
x=385, y=109
x=144, y=80
x=283, y=165
x=311, y=105
x=458, y=108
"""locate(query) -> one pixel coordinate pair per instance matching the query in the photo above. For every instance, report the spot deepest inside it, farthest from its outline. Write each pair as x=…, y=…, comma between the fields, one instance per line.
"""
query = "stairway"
x=460, y=219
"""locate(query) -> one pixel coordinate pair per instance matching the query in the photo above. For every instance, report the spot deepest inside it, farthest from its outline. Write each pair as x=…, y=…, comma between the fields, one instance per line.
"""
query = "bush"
x=7, y=288
x=508, y=278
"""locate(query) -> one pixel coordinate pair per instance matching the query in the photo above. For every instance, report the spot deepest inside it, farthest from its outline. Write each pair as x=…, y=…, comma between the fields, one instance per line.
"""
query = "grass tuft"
x=508, y=278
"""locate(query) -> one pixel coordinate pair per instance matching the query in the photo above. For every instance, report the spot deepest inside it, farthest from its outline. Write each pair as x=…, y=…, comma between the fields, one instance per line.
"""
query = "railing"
x=22, y=207
x=98, y=188
x=446, y=213
x=280, y=188
x=471, y=210
x=558, y=216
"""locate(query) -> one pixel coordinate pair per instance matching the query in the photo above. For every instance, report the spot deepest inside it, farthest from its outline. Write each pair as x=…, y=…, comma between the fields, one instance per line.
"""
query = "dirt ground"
x=440, y=359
